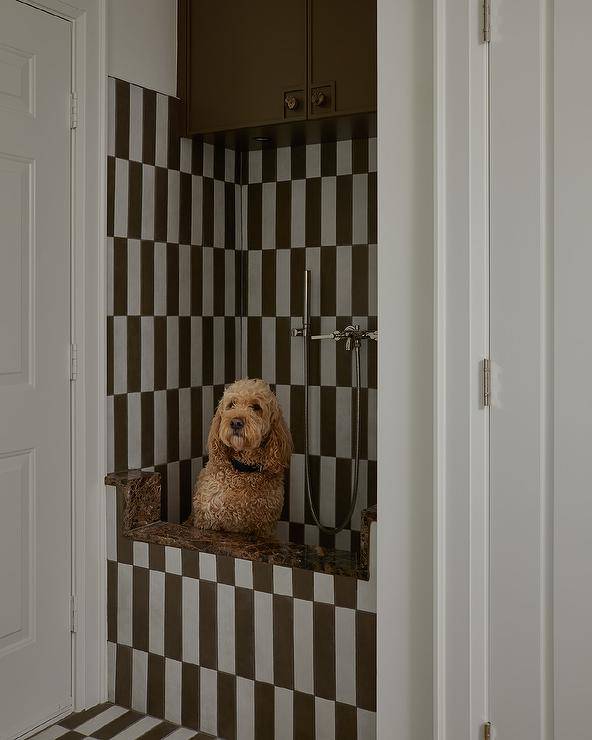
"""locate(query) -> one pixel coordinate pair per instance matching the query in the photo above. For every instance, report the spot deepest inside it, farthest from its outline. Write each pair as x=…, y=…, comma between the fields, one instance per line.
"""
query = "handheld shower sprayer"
x=353, y=337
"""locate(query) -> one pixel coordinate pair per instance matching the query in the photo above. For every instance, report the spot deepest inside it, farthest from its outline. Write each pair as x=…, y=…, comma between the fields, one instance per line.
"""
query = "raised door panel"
x=17, y=548
x=17, y=75
x=244, y=58
x=342, y=57
x=16, y=187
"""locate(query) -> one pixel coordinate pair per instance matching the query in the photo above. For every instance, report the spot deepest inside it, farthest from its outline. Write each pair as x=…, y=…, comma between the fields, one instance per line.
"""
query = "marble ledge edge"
x=140, y=499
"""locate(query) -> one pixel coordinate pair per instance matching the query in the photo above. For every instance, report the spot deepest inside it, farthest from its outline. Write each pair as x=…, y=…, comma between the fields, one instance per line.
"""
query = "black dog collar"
x=242, y=467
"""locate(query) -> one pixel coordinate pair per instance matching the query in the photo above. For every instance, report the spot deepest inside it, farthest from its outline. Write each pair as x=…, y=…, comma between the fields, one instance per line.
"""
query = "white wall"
x=405, y=424
x=142, y=43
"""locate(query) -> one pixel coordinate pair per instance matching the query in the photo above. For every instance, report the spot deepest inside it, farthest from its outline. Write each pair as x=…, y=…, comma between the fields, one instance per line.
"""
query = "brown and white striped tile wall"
x=238, y=649
x=173, y=326
x=205, y=280
x=314, y=207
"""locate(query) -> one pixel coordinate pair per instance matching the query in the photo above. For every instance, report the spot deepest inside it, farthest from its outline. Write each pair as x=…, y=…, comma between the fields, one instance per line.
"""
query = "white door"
x=541, y=428
x=35, y=489
x=515, y=556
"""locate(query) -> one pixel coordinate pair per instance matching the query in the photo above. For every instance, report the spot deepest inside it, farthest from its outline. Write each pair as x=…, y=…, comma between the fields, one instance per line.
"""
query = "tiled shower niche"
x=206, y=256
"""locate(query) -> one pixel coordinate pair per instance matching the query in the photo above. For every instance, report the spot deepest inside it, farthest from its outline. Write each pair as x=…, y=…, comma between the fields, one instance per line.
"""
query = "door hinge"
x=488, y=731
x=73, y=110
x=486, y=382
x=486, y=29
x=73, y=614
x=73, y=361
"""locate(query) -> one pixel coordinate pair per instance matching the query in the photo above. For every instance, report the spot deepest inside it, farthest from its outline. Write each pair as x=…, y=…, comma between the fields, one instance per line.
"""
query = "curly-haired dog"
x=241, y=489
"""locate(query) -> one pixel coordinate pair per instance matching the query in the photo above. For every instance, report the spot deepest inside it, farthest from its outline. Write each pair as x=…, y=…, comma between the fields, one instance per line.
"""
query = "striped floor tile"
x=110, y=722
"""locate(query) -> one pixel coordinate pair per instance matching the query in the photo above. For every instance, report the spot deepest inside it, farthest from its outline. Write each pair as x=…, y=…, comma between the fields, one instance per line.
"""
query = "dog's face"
x=248, y=416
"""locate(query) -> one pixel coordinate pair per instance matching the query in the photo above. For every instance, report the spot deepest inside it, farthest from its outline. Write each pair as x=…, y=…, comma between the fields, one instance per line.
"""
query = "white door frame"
x=87, y=17
x=405, y=369
x=461, y=428
x=461, y=341
x=432, y=434
x=457, y=275
x=458, y=75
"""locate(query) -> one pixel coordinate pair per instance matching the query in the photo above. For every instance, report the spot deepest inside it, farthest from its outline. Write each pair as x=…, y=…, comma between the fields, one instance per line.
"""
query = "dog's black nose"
x=237, y=424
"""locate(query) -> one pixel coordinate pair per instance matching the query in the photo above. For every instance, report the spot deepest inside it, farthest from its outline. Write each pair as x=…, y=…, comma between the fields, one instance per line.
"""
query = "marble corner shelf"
x=140, y=492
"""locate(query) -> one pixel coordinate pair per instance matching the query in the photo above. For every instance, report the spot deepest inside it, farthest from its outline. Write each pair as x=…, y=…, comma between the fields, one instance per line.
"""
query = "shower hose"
x=354, y=491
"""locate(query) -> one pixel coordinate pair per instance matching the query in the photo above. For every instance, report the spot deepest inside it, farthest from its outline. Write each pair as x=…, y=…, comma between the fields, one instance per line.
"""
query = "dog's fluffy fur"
x=232, y=501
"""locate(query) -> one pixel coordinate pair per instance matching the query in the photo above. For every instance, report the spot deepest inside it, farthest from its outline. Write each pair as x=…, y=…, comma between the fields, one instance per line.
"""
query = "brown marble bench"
x=139, y=496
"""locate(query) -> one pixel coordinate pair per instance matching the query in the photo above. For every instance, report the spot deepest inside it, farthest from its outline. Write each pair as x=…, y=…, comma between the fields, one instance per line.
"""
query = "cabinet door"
x=245, y=58
x=342, y=57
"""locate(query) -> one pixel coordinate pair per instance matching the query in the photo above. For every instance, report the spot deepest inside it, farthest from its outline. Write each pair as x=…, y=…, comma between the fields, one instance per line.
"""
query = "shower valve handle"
x=302, y=332
x=334, y=335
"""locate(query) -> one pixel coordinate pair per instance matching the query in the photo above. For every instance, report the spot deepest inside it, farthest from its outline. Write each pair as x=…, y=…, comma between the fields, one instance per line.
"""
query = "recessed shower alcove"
x=229, y=257
x=209, y=253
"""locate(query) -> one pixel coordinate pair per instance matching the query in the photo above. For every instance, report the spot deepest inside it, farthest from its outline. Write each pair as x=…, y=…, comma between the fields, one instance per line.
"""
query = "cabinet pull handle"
x=291, y=102
x=318, y=98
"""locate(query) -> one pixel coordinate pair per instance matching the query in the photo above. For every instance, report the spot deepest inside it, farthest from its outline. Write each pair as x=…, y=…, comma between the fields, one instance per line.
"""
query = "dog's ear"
x=215, y=447
x=279, y=445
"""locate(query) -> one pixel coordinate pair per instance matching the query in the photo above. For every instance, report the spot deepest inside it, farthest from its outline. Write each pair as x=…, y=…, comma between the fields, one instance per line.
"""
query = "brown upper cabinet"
x=251, y=63
x=341, y=57
x=246, y=63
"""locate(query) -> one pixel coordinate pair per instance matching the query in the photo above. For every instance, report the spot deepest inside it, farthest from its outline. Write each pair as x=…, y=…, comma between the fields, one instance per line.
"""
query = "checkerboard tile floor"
x=110, y=722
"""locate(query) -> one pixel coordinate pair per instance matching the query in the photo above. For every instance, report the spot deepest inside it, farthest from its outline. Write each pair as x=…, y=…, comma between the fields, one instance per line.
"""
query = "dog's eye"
x=256, y=407
x=230, y=405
